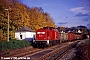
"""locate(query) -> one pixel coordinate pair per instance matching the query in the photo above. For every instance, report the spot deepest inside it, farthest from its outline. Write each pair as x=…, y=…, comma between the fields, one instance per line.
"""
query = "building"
x=25, y=33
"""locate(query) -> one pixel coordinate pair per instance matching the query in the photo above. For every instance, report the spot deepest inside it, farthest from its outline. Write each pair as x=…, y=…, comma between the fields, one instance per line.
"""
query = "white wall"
x=17, y=35
x=30, y=34
x=24, y=35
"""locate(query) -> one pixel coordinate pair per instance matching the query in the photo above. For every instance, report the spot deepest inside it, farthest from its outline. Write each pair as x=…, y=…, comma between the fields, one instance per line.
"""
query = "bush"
x=26, y=43
x=14, y=44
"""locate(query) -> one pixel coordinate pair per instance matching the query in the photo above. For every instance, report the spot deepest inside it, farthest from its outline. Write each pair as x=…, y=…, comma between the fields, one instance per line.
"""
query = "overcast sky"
x=68, y=13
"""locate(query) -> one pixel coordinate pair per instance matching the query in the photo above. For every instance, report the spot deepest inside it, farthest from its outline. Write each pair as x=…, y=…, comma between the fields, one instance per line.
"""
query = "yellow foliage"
x=21, y=15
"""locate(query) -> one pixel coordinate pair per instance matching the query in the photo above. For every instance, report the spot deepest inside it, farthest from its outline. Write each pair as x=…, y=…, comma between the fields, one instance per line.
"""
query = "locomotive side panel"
x=50, y=35
x=54, y=35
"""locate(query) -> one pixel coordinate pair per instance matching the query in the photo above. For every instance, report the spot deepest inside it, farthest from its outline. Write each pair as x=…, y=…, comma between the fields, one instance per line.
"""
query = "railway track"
x=58, y=52
x=69, y=54
x=21, y=52
x=50, y=53
x=27, y=52
x=53, y=53
x=63, y=54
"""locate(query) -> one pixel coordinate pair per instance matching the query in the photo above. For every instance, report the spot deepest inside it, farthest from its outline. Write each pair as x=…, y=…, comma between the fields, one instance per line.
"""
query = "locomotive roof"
x=25, y=29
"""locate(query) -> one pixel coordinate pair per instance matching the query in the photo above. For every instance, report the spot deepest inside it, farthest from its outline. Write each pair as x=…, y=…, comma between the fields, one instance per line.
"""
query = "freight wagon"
x=63, y=36
x=71, y=36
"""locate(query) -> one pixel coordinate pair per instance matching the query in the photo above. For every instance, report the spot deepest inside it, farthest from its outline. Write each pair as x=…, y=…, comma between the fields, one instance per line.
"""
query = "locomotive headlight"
x=47, y=41
x=33, y=40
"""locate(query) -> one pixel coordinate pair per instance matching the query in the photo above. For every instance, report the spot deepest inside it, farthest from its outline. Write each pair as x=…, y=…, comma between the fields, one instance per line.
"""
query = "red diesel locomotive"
x=46, y=36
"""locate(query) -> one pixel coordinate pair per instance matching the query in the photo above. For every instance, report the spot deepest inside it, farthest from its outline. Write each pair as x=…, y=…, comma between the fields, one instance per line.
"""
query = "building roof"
x=25, y=29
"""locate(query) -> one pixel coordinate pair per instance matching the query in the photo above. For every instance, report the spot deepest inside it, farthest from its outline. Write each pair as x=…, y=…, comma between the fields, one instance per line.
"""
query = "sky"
x=66, y=13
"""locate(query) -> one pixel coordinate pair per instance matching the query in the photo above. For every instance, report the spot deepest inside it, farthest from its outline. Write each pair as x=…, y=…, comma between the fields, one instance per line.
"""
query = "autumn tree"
x=21, y=15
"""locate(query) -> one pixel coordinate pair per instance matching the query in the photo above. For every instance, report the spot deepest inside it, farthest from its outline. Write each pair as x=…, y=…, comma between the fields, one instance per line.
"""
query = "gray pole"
x=8, y=25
